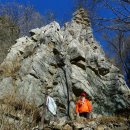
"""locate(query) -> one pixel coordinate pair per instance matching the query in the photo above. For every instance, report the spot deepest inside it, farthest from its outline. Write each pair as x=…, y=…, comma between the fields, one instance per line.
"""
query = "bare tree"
x=118, y=27
x=16, y=20
x=9, y=32
x=49, y=17
x=26, y=17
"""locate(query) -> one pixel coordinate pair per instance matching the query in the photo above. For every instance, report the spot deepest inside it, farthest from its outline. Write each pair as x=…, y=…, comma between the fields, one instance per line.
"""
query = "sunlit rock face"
x=63, y=62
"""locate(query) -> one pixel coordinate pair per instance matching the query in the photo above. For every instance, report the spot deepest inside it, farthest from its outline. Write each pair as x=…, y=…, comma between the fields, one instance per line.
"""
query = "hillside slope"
x=63, y=62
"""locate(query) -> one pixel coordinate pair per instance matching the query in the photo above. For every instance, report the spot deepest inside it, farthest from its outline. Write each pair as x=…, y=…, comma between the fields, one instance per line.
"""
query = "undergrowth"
x=10, y=68
x=17, y=114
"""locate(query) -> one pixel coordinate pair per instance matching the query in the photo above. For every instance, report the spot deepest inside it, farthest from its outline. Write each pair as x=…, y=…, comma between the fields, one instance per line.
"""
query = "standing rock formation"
x=63, y=62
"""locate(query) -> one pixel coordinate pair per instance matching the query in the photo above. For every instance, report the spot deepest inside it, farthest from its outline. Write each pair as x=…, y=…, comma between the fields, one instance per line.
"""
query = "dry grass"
x=17, y=114
x=10, y=68
x=111, y=119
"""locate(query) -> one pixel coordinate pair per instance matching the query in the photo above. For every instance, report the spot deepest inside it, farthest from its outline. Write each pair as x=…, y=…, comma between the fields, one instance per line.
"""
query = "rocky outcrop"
x=63, y=62
x=101, y=123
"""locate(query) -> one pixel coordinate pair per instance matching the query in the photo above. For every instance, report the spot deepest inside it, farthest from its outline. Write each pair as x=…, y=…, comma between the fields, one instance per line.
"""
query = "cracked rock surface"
x=63, y=62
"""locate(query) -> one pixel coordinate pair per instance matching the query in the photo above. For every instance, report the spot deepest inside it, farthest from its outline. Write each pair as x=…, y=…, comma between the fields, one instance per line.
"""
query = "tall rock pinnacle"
x=63, y=62
x=81, y=16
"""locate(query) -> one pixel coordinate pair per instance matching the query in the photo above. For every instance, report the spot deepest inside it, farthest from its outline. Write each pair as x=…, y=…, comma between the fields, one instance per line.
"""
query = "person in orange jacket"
x=83, y=106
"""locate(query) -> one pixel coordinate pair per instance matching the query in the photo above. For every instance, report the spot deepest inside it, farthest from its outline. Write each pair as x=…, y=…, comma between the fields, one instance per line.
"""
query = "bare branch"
x=127, y=1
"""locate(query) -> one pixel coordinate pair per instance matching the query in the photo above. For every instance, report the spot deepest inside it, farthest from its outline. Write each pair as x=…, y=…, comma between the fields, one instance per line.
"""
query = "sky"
x=62, y=9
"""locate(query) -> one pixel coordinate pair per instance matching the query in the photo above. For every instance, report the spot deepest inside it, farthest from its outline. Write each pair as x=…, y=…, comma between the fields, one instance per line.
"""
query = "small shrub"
x=111, y=119
x=10, y=68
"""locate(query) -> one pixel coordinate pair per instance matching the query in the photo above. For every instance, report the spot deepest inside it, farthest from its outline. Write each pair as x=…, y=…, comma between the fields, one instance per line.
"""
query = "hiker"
x=83, y=106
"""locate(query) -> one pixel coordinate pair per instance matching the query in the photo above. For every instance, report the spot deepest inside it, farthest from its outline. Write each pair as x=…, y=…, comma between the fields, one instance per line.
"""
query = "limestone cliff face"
x=63, y=62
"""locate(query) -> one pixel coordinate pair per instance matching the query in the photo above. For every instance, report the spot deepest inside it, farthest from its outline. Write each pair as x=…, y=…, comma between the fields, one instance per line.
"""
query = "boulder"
x=61, y=63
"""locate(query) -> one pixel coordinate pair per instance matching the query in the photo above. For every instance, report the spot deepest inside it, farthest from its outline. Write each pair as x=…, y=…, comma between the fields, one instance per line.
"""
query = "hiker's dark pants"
x=84, y=114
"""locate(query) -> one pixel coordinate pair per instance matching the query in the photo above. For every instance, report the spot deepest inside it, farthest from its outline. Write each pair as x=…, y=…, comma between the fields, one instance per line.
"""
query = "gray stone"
x=63, y=62
x=87, y=128
x=79, y=125
x=76, y=51
x=67, y=127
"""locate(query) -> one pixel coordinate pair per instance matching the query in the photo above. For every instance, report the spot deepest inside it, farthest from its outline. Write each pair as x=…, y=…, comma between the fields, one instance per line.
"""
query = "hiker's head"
x=83, y=95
